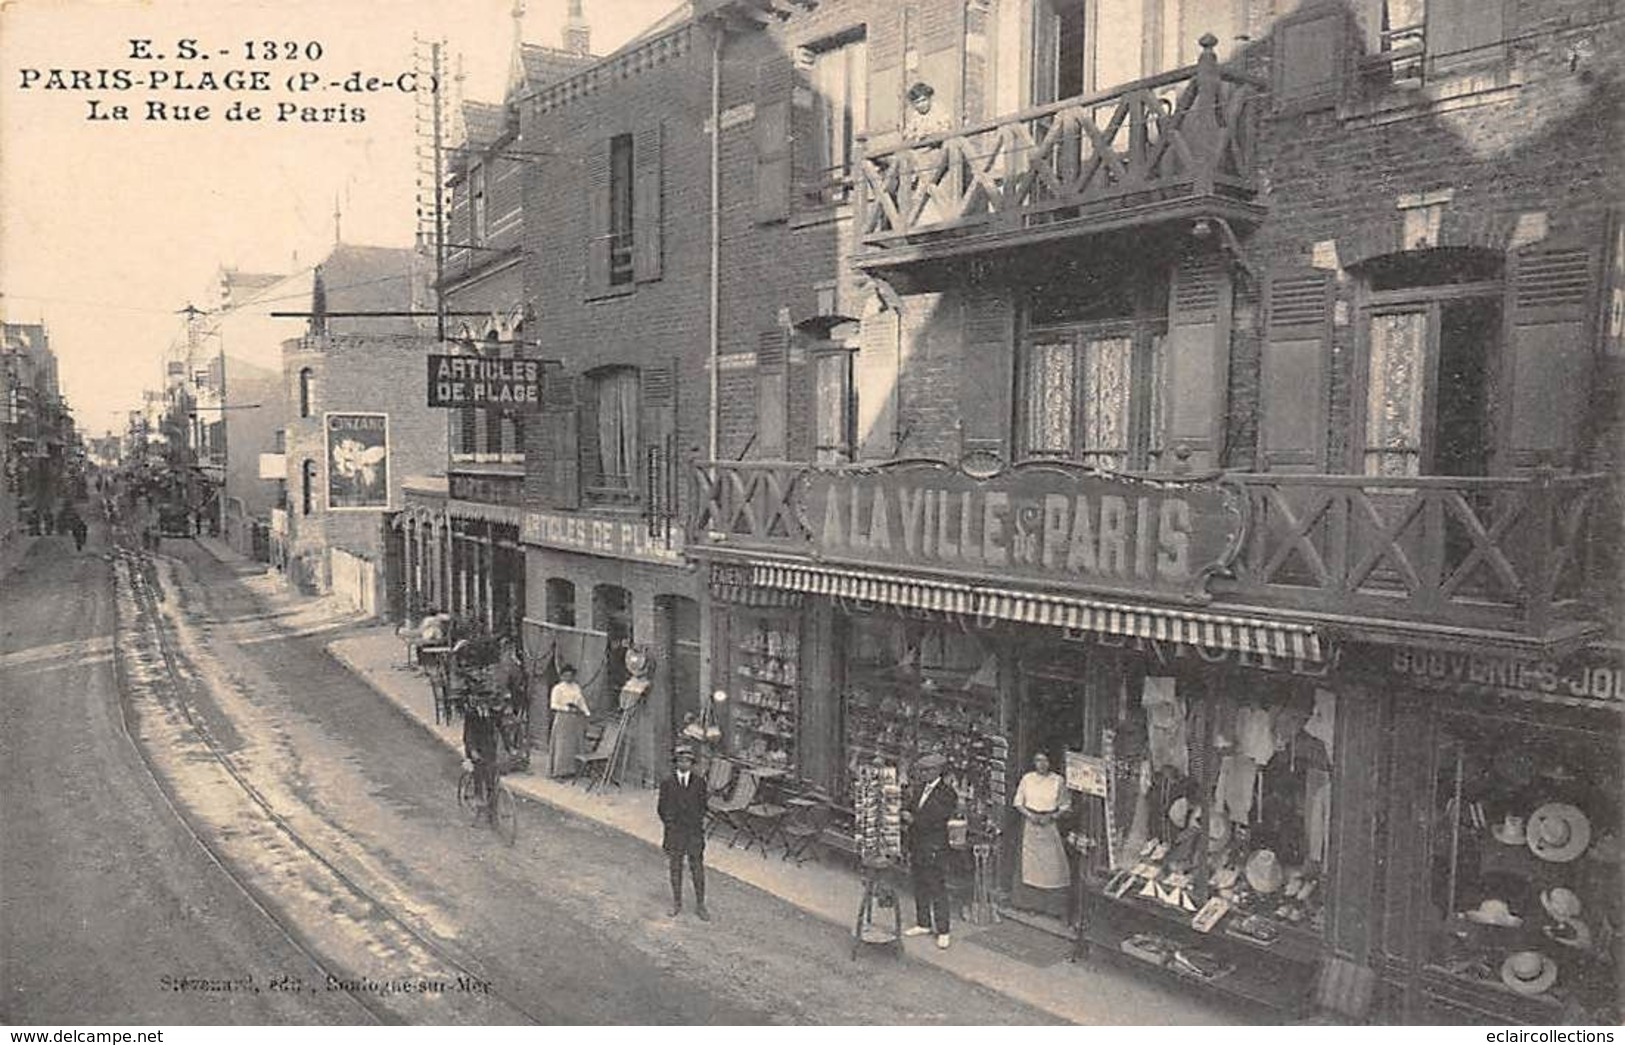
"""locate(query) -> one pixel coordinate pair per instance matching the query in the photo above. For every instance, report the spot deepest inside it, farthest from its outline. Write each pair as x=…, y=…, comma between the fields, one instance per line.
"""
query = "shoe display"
x=943, y=941
x=917, y=930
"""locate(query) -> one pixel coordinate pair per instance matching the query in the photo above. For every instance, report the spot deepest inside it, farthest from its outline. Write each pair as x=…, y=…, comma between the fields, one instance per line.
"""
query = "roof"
x=367, y=279
x=678, y=15
x=483, y=123
x=544, y=65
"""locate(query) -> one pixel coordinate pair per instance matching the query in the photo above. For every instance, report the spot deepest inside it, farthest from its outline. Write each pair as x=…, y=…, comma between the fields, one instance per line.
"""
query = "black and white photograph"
x=884, y=514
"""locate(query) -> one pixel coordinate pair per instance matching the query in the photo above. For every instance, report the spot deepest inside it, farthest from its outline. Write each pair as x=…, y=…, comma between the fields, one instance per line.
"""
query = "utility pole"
x=439, y=203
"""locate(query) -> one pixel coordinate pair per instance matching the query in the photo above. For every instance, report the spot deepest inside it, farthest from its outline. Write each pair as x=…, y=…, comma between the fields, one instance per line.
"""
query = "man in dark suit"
x=929, y=810
x=682, y=812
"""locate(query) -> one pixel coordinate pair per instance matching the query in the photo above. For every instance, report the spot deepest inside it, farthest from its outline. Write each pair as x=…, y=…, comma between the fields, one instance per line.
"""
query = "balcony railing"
x=1528, y=556
x=1181, y=135
x=1508, y=554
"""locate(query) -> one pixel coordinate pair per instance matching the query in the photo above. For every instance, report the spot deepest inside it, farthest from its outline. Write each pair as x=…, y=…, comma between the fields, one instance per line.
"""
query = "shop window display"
x=1525, y=881
x=765, y=710
x=1207, y=854
x=914, y=689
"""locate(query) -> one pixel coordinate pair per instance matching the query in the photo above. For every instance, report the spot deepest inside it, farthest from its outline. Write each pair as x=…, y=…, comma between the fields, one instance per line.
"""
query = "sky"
x=109, y=227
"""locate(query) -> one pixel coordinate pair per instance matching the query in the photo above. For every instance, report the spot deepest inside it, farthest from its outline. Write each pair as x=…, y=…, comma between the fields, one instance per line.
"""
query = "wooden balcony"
x=1521, y=562
x=1527, y=558
x=1177, y=146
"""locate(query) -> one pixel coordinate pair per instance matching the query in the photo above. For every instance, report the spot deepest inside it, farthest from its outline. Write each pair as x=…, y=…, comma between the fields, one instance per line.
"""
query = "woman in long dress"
x=1042, y=799
x=569, y=709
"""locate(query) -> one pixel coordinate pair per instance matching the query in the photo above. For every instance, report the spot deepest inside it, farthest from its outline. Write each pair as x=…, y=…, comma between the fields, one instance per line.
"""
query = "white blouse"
x=567, y=695
x=1041, y=792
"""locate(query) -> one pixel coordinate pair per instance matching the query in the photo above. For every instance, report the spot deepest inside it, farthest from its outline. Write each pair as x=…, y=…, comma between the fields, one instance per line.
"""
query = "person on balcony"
x=923, y=118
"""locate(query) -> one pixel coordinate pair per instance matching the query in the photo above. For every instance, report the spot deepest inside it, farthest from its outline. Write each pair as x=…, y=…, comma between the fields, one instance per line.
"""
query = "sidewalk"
x=1080, y=993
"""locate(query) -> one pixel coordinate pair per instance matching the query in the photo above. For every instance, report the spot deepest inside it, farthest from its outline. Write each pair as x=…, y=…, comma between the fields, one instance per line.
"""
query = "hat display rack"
x=1533, y=880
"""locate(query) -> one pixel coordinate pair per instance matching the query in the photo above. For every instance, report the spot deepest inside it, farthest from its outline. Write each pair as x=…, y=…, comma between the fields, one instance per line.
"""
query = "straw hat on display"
x=1510, y=831
x=1264, y=872
x=1494, y=912
x=1529, y=972
x=1558, y=832
x=1561, y=903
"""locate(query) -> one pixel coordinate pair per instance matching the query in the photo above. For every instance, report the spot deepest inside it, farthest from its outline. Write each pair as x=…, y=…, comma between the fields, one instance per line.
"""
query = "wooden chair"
x=730, y=809
x=764, y=824
x=803, y=826
x=719, y=778
x=599, y=757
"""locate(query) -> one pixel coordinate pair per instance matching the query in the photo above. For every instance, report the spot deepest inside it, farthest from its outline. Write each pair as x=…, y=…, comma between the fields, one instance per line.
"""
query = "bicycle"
x=497, y=806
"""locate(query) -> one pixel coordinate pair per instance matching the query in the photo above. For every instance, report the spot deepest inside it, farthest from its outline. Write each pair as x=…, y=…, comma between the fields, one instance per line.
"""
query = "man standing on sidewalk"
x=682, y=812
x=928, y=814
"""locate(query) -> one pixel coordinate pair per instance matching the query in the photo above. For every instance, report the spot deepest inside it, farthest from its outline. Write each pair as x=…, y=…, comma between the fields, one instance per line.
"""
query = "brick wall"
x=657, y=321
x=1531, y=136
x=362, y=375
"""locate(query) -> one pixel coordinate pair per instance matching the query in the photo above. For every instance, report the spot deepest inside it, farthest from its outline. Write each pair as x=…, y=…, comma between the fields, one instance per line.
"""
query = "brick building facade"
x=617, y=233
x=346, y=401
x=1343, y=265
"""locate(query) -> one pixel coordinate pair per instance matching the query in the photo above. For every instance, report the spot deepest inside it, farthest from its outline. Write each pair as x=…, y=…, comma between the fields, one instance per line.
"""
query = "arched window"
x=307, y=486
x=307, y=389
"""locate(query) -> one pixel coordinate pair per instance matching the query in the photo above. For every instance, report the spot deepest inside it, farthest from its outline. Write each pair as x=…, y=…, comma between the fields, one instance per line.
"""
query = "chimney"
x=577, y=35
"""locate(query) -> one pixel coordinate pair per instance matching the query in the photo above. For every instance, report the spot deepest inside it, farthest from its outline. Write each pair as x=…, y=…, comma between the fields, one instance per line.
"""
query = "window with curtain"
x=1103, y=436
x=616, y=397
x=1095, y=398
x=1395, y=392
x=1049, y=387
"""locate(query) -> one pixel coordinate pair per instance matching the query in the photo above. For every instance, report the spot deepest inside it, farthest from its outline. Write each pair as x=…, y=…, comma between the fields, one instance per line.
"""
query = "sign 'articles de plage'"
x=476, y=381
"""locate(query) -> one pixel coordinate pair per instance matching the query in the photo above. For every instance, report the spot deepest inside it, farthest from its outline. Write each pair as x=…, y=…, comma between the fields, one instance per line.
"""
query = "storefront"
x=1502, y=897
x=962, y=616
x=603, y=588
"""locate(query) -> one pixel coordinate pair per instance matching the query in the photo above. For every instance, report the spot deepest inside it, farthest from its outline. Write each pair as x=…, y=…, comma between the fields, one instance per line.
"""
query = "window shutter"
x=884, y=87
x=598, y=217
x=659, y=392
x=647, y=202
x=1463, y=32
x=1311, y=56
x=876, y=377
x=772, y=394
x=1550, y=302
x=772, y=130
x=1292, y=373
x=1196, y=365
x=978, y=60
x=984, y=374
x=808, y=160
x=560, y=467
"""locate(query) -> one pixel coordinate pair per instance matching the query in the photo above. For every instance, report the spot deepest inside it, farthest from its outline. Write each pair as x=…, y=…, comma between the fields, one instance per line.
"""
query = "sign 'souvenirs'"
x=1060, y=526
x=476, y=381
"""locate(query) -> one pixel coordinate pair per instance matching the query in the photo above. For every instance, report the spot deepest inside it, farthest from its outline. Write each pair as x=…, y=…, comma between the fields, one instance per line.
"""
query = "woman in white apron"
x=1042, y=799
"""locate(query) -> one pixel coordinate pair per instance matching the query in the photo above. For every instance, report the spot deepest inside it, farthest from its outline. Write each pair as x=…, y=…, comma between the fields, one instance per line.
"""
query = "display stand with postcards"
x=877, y=804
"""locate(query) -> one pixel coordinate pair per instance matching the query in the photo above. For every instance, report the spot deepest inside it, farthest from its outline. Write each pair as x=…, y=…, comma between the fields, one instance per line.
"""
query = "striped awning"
x=1164, y=624
x=871, y=587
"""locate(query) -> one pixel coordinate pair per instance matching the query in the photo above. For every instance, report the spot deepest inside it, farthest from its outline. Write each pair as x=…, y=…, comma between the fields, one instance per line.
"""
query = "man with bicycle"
x=480, y=725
